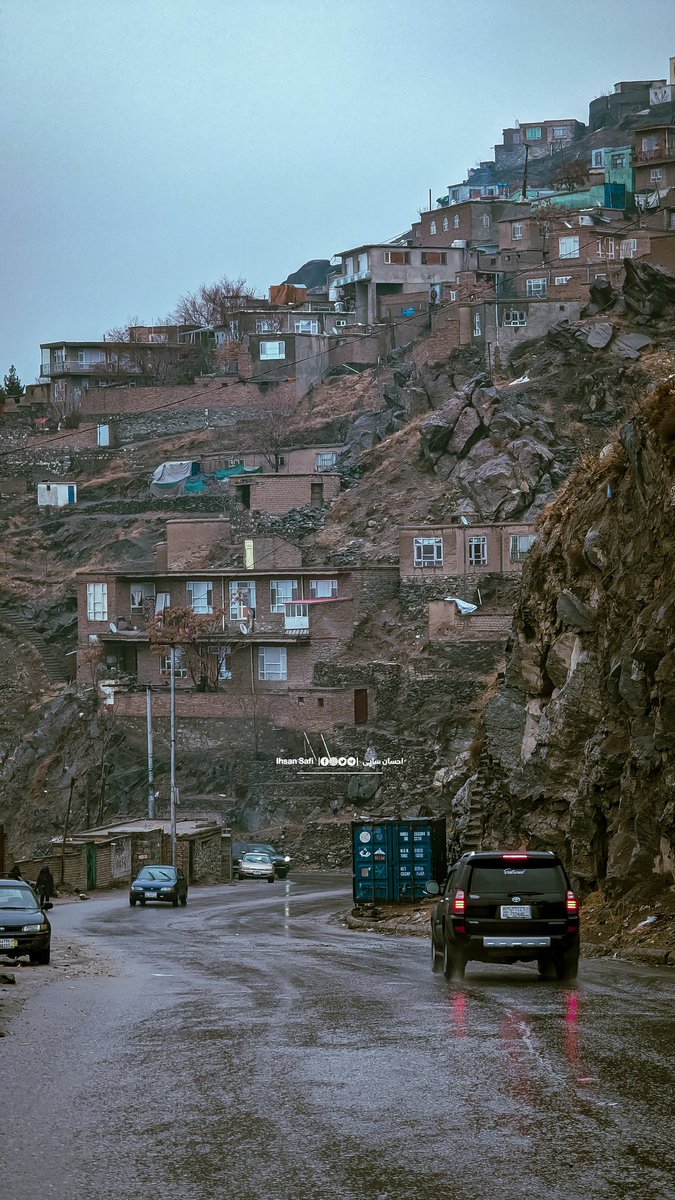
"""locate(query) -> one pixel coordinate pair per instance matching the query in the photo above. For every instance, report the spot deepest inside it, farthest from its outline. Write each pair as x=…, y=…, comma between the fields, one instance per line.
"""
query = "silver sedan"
x=256, y=865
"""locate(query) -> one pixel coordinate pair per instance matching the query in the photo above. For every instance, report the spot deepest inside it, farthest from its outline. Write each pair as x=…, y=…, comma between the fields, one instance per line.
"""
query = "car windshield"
x=17, y=897
x=257, y=858
x=502, y=876
x=158, y=874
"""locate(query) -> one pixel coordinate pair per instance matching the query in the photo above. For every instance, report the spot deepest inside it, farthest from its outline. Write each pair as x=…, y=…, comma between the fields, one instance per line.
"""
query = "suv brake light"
x=572, y=904
x=458, y=904
x=518, y=857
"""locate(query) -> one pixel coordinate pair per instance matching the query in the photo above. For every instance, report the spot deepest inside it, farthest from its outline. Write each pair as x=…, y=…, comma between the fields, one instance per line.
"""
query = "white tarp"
x=463, y=606
x=172, y=472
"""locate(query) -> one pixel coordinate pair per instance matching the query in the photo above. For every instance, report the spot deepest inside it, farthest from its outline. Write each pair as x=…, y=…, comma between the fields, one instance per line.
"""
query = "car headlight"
x=287, y=858
x=35, y=928
x=167, y=889
x=136, y=887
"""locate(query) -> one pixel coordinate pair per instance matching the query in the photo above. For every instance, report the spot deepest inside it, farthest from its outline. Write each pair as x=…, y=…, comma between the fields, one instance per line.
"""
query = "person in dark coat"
x=14, y=873
x=45, y=884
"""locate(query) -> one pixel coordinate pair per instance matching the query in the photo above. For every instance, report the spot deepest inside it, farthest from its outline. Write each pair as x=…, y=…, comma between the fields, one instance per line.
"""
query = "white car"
x=256, y=865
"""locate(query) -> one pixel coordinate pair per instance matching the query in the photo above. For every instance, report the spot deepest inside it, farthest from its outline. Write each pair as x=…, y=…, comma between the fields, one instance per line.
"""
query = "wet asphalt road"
x=250, y=1048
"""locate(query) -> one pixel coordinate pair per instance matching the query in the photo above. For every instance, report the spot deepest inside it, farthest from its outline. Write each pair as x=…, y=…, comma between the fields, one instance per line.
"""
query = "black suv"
x=505, y=907
x=282, y=862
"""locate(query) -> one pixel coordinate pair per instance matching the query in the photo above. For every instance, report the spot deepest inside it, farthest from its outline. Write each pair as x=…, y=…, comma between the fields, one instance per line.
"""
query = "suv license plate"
x=8, y=943
x=516, y=910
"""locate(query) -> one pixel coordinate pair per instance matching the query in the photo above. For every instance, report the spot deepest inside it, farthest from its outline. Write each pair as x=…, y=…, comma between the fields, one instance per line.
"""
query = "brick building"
x=543, y=138
x=655, y=156
x=369, y=274
x=447, y=551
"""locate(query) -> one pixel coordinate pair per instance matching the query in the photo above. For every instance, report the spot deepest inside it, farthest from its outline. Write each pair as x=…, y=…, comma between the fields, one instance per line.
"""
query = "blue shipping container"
x=393, y=859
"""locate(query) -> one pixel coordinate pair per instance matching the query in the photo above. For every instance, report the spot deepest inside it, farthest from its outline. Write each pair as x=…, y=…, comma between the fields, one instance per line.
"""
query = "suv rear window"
x=498, y=877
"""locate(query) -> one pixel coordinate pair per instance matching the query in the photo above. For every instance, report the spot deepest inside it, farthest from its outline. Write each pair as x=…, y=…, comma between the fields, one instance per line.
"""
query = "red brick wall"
x=222, y=392
x=295, y=708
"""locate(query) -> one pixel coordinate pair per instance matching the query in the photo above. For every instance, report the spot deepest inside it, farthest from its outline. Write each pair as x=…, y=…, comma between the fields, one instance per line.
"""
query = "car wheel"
x=435, y=953
x=454, y=962
x=40, y=958
x=270, y=878
x=132, y=901
x=545, y=967
x=567, y=964
x=282, y=874
x=141, y=901
x=183, y=900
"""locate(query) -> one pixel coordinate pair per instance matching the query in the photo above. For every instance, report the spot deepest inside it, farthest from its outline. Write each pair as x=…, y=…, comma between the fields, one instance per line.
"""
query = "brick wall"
x=448, y=625
x=219, y=393
x=296, y=708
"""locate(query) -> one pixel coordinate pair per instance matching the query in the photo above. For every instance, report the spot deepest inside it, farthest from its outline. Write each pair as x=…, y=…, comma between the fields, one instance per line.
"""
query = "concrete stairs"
x=474, y=829
x=55, y=663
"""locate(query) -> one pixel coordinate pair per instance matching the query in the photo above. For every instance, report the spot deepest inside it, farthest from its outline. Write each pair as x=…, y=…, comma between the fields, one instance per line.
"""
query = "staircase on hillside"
x=55, y=662
x=474, y=830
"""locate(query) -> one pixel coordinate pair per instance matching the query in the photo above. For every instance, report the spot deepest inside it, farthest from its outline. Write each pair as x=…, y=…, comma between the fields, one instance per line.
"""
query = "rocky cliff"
x=578, y=742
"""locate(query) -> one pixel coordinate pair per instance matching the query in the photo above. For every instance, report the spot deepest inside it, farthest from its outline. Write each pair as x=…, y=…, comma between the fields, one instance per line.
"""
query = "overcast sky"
x=151, y=145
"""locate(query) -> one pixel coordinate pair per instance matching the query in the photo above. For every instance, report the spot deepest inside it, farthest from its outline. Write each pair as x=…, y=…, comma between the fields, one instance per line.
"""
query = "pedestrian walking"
x=45, y=884
x=15, y=873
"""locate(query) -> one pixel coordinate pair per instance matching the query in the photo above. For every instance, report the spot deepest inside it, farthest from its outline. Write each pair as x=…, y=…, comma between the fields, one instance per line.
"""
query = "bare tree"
x=201, y=639
x=211, y=304
x=65, y=403
x=275, y=436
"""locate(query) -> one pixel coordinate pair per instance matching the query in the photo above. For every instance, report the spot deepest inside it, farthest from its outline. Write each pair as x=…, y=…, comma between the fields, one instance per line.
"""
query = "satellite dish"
x=112, y=627
x=243, y=627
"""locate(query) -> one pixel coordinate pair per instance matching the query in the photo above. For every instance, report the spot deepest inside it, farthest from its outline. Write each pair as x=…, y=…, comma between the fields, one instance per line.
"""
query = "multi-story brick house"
x=273, y=621
x=371, y=273
x=68, y=369
x=655, y=155
x=446, y=551
x=542, y=138
x=467, y=225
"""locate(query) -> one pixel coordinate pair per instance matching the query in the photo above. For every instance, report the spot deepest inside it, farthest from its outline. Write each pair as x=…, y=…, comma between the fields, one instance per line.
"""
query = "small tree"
x=212, y=303
x=13, y=388
x=201, y=640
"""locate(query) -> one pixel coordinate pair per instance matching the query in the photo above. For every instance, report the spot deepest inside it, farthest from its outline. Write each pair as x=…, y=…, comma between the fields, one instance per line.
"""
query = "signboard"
x=120, y=858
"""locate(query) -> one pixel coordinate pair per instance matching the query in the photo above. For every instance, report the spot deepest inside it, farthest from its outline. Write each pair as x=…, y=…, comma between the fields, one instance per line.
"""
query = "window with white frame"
x=103, y=435
x=536, y=287
x=97, y=602
x=517, y=231
x=362, y=261
x=656, y=175
x=399, y=258
x=561, y=279
x=453, y=295
x=267, y=325
x=610, y=247
x=568, y=247
x=141, y=594
x=242, y=599
x=349, y=266
x=282, y=592
x=179, y=667
x=162, y=602
x=432, y=227
x=486, y=220
x=428, y=551
x=520, y=545
x=478, y=555
x=559, y=131
x=272, y=662
x=325, y=460
x=446, y=224
x=629, y=247
x=323, y=589
x=455, y=221
x=272, y=349
x=477, y=328
x=514, y=317
x=650, y=143
x=306, y=326
x=199, y=595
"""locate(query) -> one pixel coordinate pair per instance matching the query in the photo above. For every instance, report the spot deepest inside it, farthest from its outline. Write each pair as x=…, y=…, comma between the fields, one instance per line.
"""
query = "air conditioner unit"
x=459, y=244
x=340, y=324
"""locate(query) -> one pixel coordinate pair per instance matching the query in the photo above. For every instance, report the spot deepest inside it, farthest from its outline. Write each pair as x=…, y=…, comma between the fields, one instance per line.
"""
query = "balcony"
x=72, y=366
x=354, y=277
x=661, y=154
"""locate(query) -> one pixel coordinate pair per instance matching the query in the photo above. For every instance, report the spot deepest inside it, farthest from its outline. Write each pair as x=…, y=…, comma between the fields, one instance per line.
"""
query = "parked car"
x=506, y=907
x=282, y=862
x=24, y=928
x=256, y=864
x=159, y=882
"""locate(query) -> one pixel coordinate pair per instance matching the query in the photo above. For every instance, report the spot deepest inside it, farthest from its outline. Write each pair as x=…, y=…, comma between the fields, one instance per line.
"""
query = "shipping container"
x=393, y=859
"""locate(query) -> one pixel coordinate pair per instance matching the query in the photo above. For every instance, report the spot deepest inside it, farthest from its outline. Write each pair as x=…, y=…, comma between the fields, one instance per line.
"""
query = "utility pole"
x=151, y=784
x=173, y=753
x=527, y=152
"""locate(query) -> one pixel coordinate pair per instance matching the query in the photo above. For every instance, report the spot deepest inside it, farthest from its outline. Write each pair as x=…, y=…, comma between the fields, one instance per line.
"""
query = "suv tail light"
x=516, y=857
x=572, y=905
x=458, y=904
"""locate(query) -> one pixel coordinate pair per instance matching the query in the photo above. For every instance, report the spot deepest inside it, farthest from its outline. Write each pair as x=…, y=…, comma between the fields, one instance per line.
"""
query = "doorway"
x=360, y=706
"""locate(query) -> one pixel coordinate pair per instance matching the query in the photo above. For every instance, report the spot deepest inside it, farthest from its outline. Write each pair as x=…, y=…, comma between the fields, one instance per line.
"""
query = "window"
x=446, y=224
x=323, y=589
x=199, y=595
x=521, y=544
x=629, y=248
x=102, y=435
x=536, y=287
x=476, y=325
x=455, y=221
x=517, y=231
x=179, y=667
x=282, y=592
x=618, y=160
x=453, y=295
x=561, y=279
x=242, y=599
x=478, y=551
x=140, y=593
x=533, y=133
x=513, y=317
x=610, y=247
x=569, y=247
x=267, y=325
x=432, y=227
x=559, y=131
x=397, y=257
x=597, y=157
x=349, y=266
x=272, y=349
x=486, y=220
x=162, y=602
x=428, y=552
x=306, y=326
x=97, y=602
x=656, y=175
x=434, y=258
x=272, y=662
x=362, y=262
x=650, y=143
x=325, y=460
